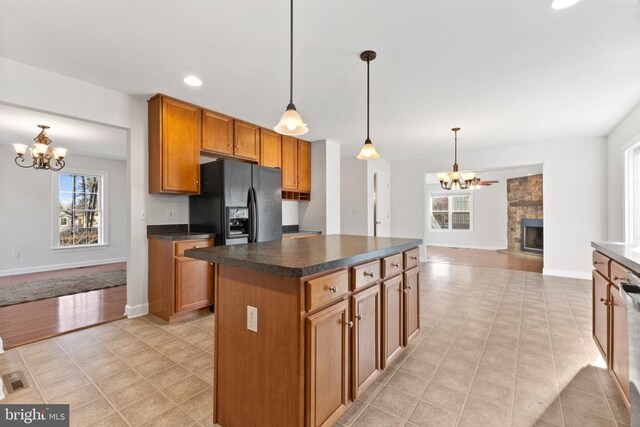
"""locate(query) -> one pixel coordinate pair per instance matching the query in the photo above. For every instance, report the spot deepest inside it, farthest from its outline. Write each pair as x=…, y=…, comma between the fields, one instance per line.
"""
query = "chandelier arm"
x=58, y=165
x=22, y=160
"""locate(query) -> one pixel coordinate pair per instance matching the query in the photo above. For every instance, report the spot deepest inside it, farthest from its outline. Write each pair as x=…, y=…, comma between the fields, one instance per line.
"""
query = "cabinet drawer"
x=391, y=265
x=601, y=263
x=326, y=288
x=411, y=258
x=365, y=274
x=192, y=244
x=618, y=273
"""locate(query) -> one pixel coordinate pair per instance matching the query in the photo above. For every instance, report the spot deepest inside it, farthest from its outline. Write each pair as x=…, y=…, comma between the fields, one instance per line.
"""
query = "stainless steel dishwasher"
x=631, y=294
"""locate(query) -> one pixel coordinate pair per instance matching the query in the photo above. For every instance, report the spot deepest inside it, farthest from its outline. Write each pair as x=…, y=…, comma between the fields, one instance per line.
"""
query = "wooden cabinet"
x=365, y=274
x=247, y=140
x=174, y=146
x=392, y=319
x=619, y=348
x=411, y=304
x=289, y=163
x=601, y=313
x=328, y=364
x=217, y=133
x=366, y=339
x=304, y=166
x=178, y=285
x=270, y=148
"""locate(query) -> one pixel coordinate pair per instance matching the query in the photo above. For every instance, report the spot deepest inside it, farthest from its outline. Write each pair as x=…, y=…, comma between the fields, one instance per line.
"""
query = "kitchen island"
x=304, y=326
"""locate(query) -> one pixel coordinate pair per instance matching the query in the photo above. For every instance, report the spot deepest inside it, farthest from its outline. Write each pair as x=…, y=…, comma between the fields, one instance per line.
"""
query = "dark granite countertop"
x=301, y=233
x=180, y=236
x=304, y=257
x=622, y=253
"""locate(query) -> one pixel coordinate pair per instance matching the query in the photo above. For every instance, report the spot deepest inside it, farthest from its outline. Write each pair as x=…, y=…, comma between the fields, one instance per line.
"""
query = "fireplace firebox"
x=532, y=236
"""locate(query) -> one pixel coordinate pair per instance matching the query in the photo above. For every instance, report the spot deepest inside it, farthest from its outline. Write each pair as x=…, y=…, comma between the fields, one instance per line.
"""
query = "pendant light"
x=457, y=180
x=368, y=151
x=291, y=123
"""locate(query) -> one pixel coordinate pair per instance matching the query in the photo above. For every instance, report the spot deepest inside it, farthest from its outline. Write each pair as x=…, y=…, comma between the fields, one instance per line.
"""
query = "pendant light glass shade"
x=291, y=123
x=368, y=151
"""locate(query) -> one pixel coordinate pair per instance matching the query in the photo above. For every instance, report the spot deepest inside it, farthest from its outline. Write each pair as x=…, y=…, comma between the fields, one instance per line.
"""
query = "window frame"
x=103, y=234
x=450, y=195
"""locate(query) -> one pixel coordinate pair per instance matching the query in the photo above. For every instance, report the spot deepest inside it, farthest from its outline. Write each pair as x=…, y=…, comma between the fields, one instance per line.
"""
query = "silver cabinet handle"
x=415, y=258
x=395, y=264
x=405, y=291
x=367, y=273
x=409, y=287
x=333, y=289
x=358, y=317
x=349, y=324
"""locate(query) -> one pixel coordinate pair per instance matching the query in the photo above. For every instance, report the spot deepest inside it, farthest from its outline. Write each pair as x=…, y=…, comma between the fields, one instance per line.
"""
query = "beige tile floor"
x=497, y=347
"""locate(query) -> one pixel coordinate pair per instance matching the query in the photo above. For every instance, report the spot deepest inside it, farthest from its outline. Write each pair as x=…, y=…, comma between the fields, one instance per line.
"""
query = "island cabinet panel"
x=392, y=319
x=619, y=349
x=174, y=146
x=618, y=274
x=601, y=263
x=246, y=140
x=192, y=284
x=411, y=258
x=601, y=314
x=411, y=304
x=289, y=163
x=270, y=148
x=366, y=339
x=217, y=133
x=391, y=265
x=328, y=364
x=325, y=289
x=304, y=166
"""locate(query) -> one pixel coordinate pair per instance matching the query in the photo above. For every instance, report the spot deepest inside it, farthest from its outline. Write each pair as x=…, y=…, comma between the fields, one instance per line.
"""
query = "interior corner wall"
x=29, y=210
x=574, y=215
x=373, y=166
x=624, y=136
x=322, y=212
x=354, y=196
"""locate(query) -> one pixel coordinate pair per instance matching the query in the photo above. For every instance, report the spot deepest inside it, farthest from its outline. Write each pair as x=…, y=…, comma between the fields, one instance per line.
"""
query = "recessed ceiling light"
x=563, y=4
x=193, y=81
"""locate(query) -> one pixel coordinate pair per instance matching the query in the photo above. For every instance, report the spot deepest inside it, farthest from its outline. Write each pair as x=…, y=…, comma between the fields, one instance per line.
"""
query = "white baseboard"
x=136, y=310
x=61, y=266
x=485, y=248
x=566, y=273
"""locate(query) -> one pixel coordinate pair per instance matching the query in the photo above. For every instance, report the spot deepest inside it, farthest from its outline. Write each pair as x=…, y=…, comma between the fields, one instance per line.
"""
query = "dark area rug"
x=59, y=286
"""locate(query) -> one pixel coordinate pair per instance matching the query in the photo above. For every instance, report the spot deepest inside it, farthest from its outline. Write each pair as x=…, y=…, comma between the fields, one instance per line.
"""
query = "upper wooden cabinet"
x=270, y=148
x=174, y=146
x=296, y=165
x=247, y=140
x=304, y=166
x=217, y=133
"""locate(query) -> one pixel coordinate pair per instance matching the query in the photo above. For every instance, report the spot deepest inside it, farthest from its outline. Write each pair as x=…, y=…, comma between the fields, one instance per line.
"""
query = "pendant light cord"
x=368, y=99
x=456, y=148
x=291, y=59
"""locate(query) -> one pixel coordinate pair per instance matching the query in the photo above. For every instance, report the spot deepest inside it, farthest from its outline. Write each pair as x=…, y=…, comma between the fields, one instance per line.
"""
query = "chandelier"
x=42, y=154
x=458, y=180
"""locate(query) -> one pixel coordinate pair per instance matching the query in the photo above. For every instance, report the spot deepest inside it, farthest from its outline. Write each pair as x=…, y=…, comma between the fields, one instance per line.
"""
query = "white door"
x=381, y=205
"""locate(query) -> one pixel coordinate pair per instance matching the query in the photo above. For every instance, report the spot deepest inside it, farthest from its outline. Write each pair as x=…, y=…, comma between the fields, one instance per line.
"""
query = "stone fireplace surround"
x=524, y=201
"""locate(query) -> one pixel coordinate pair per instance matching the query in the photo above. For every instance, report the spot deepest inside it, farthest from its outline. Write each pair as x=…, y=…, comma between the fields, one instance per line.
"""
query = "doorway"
x=381, y=204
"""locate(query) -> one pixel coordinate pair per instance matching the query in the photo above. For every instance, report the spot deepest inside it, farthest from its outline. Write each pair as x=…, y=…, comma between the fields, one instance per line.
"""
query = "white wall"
x=574, y=196
x=290, y=212
x=373, y=166
x=623, y=137
x=353, y=197
x=27, y=206
x=322, y=213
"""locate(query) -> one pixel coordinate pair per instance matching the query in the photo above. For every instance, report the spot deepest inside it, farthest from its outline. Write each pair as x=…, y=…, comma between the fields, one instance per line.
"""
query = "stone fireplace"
x=524, y=201
x=532, y=235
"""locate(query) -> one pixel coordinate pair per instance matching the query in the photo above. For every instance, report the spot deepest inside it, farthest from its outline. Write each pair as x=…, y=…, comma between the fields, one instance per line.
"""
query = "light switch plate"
x=252, y=318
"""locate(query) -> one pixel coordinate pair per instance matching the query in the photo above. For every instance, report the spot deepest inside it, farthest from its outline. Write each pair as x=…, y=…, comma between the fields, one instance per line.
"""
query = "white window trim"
x=104, y=220
x=469, y=193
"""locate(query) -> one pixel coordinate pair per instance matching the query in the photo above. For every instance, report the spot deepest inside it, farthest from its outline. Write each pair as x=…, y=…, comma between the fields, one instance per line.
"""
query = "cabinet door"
x=366, y=339
x=193, y=284
x=289, y=163
x=392, y=318
x=327, y=336
x=619, y=342
x=304, y=166
x=270, y=148
x=180, y=147
x=247, y=140
x=601, y=314
x=411, y=304
x=217, y=133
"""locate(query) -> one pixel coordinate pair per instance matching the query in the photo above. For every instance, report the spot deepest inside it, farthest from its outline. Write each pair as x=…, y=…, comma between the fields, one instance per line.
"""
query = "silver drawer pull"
x=368, y=273
x=358, y=317
x=415, y=258
x=409, y=287
x=405, y=291
x=395, y=264
x=333, y=289
x=349, y=324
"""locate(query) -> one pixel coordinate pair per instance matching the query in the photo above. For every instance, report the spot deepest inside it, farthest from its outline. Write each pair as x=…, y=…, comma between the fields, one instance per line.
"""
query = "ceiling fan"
x=485, y=183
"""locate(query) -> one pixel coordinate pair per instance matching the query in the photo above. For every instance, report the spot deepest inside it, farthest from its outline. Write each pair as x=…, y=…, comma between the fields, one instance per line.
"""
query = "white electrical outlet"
x=252, y=318
x=16, y=254
x=171, y=214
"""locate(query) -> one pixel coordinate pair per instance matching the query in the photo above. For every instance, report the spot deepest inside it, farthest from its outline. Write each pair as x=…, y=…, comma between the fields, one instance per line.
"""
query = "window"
x=79, y=210
x=451, y=212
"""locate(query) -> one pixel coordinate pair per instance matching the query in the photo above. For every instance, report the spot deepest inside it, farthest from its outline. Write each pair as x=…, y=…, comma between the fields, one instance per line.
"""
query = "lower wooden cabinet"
x=366, y=339
x=619, y=348
x=177, y=284
x=601, y=313
x=392, y=319
x=327, y=391
x=411, y=304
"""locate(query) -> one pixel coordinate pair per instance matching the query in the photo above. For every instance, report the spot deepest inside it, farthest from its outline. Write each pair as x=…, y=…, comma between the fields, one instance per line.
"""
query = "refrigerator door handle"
x=251, y=217
x=256, y=228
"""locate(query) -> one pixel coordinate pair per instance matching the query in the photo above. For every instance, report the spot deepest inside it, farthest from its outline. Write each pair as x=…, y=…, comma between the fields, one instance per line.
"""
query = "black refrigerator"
x=239, y=202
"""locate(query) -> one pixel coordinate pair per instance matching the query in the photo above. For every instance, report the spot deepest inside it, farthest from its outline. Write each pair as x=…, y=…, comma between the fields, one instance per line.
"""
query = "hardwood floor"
x=34, y=321
x=484, y=258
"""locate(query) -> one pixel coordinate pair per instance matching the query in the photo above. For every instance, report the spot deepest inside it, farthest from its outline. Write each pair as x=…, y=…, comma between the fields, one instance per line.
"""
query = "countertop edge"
x=616, y=256
x=180, y=236
x=303, y=271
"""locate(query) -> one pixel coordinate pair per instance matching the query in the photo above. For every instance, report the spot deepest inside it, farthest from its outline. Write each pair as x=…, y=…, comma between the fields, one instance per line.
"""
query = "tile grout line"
x=515, y=373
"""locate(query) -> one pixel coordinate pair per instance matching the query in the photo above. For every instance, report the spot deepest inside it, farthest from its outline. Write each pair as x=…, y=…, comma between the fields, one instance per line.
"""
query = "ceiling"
x=508, y=72
x=19, y=125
